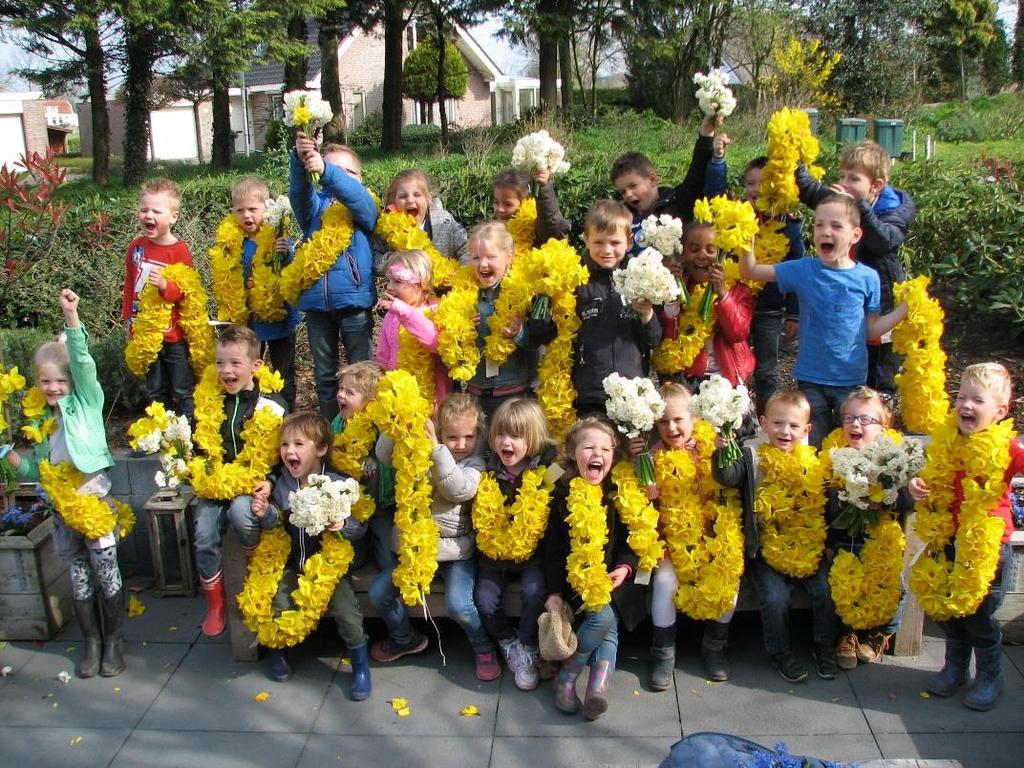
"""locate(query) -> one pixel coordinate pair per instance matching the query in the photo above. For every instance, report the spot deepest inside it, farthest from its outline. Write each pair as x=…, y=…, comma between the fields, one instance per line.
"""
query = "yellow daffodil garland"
x=702, y=526
x=90, y=516
x=588, y=537
x=311, y=597
x=400, y=412
x=639, y=515
x=790, y=509
x=677, y=355
x=155, y=315
x=734, y=223
x=210, y=476
x=771, y=244
x=419, y=361
x=523, y=226
x=234, y=301
x=317, y=255
x=351, y=448
x=922, y=382
x=401, y=233
x=10, y=382
x=790, y=142
x=266, y=301
x=866, y=587
x=457, y=336
x=954, y=589
x=512, y=305
x=41, y=424
x=511, y=532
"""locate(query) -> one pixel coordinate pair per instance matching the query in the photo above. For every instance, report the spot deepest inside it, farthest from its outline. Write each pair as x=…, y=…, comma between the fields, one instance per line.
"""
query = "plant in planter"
x=20, y=516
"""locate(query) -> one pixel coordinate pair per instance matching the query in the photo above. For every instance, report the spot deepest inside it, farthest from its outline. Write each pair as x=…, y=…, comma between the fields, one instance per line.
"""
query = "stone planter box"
x=35, y=592
x=1011, y=612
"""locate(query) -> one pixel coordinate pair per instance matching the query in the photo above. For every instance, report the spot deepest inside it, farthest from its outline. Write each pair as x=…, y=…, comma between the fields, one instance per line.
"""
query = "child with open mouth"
x=411, y=192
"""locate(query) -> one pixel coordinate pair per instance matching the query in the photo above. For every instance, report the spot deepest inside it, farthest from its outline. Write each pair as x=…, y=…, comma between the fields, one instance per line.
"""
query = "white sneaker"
x=525, y=669
x=509, y=649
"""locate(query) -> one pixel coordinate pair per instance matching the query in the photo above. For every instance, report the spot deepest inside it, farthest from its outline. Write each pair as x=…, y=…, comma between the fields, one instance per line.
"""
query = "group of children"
x=492, y=448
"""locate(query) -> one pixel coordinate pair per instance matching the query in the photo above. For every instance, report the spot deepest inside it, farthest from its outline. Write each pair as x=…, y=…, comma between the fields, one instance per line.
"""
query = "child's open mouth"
x=968, y=420
x=594, y=471
x=508, y=456
x=826, y=249
x=294, y=466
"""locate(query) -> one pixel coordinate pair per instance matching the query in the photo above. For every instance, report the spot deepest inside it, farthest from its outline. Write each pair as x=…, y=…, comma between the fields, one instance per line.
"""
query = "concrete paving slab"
x=631, y=709
x=834, y=746
x=576, y=752
x=35, y=697
x=1014, y=657
x=360, y=752
x=165, y=620
x=16, y=654
x=973, y=750
x=56, y=747
x=213, y=749
x=209, y=692
x=890, y=694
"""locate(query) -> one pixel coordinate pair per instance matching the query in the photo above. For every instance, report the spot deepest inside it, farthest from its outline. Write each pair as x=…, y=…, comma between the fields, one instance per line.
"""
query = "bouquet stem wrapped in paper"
x=634, y=405
x=723, y=407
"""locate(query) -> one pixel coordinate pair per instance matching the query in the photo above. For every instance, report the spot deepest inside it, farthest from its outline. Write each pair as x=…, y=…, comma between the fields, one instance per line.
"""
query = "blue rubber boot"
x=279, y=671
x=988, y=682
x=361, y=685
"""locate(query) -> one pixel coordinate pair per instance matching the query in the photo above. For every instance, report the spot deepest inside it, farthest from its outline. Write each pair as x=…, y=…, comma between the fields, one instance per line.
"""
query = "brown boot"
x=846, y=651
x=874, y=647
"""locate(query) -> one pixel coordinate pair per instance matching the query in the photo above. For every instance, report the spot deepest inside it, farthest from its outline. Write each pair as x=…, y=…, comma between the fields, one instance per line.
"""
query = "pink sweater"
x=422, y=329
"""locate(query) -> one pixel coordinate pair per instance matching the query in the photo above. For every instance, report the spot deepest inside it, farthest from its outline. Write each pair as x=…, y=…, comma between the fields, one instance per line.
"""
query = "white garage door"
x=12, y=140
x=174, y=134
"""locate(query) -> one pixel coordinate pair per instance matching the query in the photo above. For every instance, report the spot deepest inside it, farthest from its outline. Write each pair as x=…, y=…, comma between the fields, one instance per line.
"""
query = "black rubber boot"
x=663, y=653
x=954, y=672
x=113, y=610
x=988, y=682
x=712, y=650
x=85, y=612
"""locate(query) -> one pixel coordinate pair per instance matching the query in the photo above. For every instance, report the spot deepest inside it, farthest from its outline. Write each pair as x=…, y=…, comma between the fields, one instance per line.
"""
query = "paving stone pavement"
x=183, y=702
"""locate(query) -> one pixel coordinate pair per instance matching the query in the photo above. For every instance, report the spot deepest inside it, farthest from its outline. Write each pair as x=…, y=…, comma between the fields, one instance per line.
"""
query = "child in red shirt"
x=169, y=379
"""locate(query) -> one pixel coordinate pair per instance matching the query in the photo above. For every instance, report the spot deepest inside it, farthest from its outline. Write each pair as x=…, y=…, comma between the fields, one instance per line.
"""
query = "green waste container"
x=850, y=130
x=889, y=133
x=812, y=114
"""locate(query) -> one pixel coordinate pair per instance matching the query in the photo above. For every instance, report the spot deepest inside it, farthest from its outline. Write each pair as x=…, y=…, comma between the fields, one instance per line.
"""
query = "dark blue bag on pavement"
x=720, y=750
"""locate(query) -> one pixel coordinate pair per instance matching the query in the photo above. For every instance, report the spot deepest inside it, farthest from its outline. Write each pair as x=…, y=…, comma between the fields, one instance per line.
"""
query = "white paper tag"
x=552, y=474
x=643, y=578
x=98, y=485
x=916, y=554
x=490, y=368
x=107, y=541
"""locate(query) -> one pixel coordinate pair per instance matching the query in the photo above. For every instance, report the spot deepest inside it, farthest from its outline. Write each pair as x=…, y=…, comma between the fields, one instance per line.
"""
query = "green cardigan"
x=81, y=412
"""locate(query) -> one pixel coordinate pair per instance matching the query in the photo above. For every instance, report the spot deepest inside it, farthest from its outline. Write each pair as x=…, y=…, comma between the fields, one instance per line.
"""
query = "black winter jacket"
x=239, y=409
x=742, y=474
x=550, y=222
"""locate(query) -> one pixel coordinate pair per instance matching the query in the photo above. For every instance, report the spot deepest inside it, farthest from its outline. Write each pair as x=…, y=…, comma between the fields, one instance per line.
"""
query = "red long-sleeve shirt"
x=1014, y=466
x=142, y=256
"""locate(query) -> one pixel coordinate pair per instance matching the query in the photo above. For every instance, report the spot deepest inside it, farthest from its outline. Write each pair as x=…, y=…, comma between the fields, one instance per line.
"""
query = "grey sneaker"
x=525, y=668
x=510, y=650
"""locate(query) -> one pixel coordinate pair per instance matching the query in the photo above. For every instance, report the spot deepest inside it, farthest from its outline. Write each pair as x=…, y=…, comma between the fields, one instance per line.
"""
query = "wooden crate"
x=35, y=592
x=1011, y=612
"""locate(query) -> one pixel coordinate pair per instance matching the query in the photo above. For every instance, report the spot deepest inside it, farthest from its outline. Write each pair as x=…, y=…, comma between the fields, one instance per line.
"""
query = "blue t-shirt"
x=834, y=305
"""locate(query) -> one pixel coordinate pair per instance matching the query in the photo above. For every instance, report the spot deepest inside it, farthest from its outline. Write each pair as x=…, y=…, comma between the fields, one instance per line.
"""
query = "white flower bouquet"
x=322, y=504
x=871, y=478
x=539, y=152
x=277, y=215
x=723, y=406
x=164, y=432
x=713, y=93
x=307, y=112
x=645, y=277
x=634, y=405
x=663, y=233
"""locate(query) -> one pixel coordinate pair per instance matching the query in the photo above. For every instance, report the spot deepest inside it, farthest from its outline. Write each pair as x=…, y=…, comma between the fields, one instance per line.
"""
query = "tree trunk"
x=1018, y=45
x=394, y=25
x=547, y=49
x=94, y=61
x=330, y=78
x=220, y=157
x=139, y=47
x=295, y=69
x=565, y=69
x=197, y=125
x=442, y=92
x=963, y=74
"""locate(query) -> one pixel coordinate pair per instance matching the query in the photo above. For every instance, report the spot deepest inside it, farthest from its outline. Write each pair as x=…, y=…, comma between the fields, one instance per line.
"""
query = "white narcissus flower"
x=278, y=208
x=876, y=472
x=720, y=404
x=150, y=443
x=319, y=111
x=713, y=93
x=633, y=404
x=663, y=233
x=646, y=277
x=322, y=503
x=539, y=152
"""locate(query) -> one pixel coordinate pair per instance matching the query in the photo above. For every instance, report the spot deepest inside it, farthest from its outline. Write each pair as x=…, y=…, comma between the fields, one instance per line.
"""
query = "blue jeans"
x=210, y=520
x=764, y=335
x=170, y=381
x=598, y=636
x=826, y=402
x=458, y=593
x=982, y=629
x=774, y=591
x=353, y=327
x=490, y=587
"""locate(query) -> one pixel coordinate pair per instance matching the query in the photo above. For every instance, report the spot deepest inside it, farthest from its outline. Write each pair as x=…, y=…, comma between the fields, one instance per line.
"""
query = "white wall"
x=12, y=139
x=174, y=134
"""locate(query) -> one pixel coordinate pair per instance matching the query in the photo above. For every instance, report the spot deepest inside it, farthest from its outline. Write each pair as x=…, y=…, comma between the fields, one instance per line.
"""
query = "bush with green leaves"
x=986, y=118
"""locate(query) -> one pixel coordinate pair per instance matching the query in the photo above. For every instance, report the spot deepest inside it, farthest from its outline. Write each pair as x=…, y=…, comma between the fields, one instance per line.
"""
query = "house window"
x=358, y=110
x=276, y=106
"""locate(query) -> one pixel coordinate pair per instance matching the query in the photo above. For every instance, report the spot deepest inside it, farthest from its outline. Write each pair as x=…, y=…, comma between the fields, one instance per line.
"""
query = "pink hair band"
x=404, y=275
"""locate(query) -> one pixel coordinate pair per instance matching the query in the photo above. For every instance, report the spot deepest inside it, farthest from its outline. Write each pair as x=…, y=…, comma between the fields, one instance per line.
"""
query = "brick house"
x=29, y=123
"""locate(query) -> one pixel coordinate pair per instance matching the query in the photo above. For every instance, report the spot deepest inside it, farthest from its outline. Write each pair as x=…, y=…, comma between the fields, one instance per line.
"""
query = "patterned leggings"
x=102, y=563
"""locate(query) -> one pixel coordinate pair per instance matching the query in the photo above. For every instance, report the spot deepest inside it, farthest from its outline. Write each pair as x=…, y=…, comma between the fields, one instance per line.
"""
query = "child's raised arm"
x=879, y=325
x=751, y=270
x=69, y=306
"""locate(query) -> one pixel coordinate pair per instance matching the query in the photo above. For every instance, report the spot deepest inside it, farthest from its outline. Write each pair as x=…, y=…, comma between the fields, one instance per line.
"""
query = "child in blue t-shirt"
x=839, y=311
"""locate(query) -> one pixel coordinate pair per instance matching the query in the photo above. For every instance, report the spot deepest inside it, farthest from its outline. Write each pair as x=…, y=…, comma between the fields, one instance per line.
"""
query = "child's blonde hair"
x=494, y=233
x=242, y=335
x=521, y=417
x=673, y=390
x=163, y=186
x=608, y=216
x=575, y=435
x=461, y=405
x=410, y=174
x=869, y=156
x=415, y=262
x=992, y=377
x=250, y=188
x=793, y=398
x=365, y=377
x=310, y=425
x=53, y=353
x=867, y=395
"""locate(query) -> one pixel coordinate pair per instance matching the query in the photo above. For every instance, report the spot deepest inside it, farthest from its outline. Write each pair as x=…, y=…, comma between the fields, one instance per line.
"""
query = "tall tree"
x=143, y=46
x=295, y=73
x=1018, y=45
x=332, y=27
x=419, y=74
x=967, y=25
x=71, y=37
